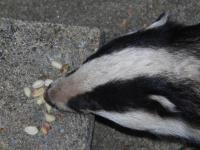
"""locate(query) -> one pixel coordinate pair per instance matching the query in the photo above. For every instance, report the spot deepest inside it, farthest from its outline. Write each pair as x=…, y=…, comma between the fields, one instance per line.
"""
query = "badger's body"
x=148, y=80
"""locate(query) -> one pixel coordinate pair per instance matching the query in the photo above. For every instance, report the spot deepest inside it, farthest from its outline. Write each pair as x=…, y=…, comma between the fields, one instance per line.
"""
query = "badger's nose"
x=47, y=98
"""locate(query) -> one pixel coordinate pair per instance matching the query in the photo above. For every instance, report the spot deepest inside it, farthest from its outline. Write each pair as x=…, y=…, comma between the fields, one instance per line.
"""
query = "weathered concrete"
x=109, y=138
x=108, y=16
x=104, y=14
x=25, y=53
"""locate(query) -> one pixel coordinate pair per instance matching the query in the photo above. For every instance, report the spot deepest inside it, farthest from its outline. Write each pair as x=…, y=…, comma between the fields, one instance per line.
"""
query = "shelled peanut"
x=37, y=91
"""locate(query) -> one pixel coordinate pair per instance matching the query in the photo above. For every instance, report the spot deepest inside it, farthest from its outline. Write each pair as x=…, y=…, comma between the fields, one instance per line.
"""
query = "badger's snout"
x=46, y=95
x=53, y=98
x=60, y=92
x=47, y=98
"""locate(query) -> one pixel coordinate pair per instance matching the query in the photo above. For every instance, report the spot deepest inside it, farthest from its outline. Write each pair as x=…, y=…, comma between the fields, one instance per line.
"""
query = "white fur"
x=156, y=24
x=160, y=22
x=144, y=121
x=134, y=62
x=164, y=102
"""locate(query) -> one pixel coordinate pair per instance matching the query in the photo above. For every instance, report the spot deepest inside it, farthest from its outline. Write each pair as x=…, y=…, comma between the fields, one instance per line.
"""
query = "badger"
x=148, y=80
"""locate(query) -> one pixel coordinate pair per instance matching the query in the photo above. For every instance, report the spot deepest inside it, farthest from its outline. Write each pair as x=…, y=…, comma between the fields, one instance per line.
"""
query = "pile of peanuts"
x=37, y=92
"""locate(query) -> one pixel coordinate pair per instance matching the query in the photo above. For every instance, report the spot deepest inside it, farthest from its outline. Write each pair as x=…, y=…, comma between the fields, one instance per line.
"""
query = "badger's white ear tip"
x=162, y=19
x=163, y=16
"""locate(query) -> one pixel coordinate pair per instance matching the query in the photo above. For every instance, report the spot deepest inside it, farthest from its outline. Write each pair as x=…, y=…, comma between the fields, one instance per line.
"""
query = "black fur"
x=170, y=35
x=123, y=95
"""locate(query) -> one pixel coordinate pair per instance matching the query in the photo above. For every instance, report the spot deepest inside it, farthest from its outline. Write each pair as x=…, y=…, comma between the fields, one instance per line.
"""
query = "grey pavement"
x=113, y=18
x=27, y=51
x=107, y=15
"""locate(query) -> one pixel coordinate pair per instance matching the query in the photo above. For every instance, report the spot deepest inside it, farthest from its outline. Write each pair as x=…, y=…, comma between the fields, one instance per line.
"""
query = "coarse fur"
x=147, y=80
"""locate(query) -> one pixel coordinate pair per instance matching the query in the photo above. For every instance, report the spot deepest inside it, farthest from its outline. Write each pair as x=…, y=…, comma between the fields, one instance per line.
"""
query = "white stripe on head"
x=134, y=62
x=163, y=20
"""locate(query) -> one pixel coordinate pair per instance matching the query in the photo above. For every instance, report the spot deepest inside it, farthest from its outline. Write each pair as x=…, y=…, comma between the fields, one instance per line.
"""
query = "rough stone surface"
x=117, y=138
x=113, y=17
x=106, y=15
x=26, y=51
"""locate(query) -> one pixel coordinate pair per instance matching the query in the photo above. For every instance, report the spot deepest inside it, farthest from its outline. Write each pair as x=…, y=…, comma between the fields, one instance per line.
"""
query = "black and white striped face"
x=148, y=80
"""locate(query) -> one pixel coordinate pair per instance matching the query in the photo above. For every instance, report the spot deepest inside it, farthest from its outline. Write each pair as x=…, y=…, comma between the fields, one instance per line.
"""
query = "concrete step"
x=26, y=49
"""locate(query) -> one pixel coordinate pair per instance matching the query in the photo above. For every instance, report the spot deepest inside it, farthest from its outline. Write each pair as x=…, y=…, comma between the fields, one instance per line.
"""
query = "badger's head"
x=125, y=73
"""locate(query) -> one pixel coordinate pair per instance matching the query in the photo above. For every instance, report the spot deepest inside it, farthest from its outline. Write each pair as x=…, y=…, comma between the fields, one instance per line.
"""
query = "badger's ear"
x=162, y=20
